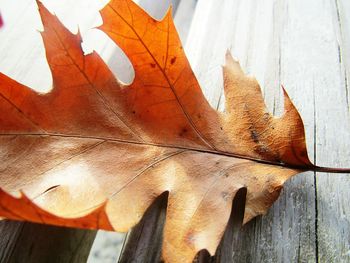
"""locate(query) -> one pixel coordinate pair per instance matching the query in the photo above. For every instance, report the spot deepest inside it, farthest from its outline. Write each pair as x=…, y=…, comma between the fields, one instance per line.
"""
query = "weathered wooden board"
x=332, y=111
x=34, y=243
x=303, y=45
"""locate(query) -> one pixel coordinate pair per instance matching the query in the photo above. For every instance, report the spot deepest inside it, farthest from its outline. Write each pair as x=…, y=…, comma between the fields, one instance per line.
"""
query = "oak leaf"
x=95, y=153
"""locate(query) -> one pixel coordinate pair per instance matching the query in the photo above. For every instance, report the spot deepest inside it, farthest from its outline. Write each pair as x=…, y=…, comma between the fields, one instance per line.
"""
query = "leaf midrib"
x=172, y=146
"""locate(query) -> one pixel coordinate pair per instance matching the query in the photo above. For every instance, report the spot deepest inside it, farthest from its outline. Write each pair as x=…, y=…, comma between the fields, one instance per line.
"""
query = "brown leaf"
x=94, y=153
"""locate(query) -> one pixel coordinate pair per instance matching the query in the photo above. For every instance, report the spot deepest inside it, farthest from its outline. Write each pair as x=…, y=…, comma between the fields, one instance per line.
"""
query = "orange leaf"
x=93, y=153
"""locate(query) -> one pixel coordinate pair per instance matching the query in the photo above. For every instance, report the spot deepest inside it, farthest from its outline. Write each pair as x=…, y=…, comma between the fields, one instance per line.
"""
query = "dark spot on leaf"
x=254, y=135
x=303, y=153
x=153, y=65
x=172, y=61
x=221, y=128
x=190, y=237
x=266, y=116
x=262, y=149
x=183, y=131
x=277, y=157
x=133, y=112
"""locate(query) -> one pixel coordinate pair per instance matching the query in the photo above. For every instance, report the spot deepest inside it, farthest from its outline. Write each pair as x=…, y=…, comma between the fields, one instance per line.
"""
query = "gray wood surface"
x=33, y=243
x=143, y=243
x=303, y=45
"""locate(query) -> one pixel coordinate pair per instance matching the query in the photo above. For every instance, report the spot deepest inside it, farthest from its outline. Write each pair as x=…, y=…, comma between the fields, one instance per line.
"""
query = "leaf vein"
x=188, y=117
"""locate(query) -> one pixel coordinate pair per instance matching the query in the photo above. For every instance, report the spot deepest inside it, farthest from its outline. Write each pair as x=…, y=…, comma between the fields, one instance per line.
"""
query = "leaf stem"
x=330, y=169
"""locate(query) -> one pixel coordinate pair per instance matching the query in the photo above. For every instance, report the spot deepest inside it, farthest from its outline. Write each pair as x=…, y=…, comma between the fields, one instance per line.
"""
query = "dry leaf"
x=93, y=153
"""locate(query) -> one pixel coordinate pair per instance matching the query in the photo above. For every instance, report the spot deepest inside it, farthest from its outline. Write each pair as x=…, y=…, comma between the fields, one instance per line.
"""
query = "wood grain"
x=34, y=243
x=305, y=47
x=144, y=241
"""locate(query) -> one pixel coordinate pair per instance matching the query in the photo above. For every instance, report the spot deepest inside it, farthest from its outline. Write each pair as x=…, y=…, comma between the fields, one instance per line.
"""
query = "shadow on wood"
x=24, y=242
x=224, y=252
x=144, y=242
